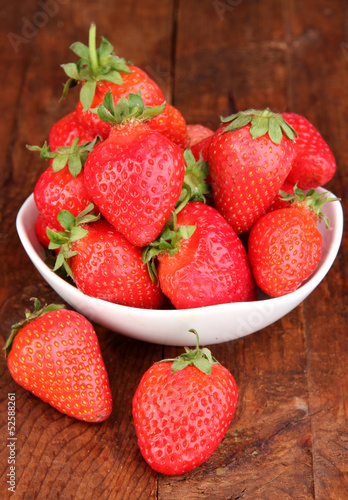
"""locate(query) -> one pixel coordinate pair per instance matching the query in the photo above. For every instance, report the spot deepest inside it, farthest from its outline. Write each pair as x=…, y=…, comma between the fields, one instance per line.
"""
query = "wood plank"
x=319, y=71
x=57, y=456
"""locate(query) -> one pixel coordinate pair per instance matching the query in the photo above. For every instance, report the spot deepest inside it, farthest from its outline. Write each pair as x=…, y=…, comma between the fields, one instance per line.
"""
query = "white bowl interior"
x=214, y=324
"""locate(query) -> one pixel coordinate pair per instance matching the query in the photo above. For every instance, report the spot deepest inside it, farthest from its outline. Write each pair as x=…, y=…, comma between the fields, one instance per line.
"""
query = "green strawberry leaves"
x=312, y=199
x=95, y=64
x=73, y=231
x=167, y=242
x=261, y=123
x=126, y=109
x=195, y=186
x=74, y=156
x=200, y=358
x=29, y=317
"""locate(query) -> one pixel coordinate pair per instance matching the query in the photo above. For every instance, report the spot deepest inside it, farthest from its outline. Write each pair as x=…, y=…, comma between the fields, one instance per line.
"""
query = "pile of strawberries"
x=136, y=206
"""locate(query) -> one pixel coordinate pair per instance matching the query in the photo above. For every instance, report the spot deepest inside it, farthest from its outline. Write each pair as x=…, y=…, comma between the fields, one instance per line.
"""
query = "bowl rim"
x=315, y=278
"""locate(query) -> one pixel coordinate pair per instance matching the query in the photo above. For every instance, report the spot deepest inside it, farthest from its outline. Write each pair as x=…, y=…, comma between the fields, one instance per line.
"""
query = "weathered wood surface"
x=289, y=437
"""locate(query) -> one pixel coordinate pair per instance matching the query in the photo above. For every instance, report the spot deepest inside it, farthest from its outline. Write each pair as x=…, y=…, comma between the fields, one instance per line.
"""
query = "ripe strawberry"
x=41, y=225
x=197, y=132
x=135, y=176
x=182, y=409
x=314, y=163
x=285, y=245
x=249, y=159
x=61, y=186
x=172, y=124
x=102, y=262
x=101, y=71
x=64, y=132
x=201, y=261
x=279, y=201
x=201, y=148
x=55, y=354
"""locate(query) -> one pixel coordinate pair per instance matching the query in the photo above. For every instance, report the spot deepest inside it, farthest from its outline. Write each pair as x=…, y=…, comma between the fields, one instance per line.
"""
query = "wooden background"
x=289, y=437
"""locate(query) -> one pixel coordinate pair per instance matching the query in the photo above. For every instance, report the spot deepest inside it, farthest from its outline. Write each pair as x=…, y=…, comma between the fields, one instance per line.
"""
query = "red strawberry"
x=41, y=225
x=172, y=124
x=55, y=354
x=207, y=266
x=279, y=201
x=182, y=409
x=314, y=164
x=249, y=159
x=61, y=186
x=135, y=176
x=197, y=132
x=201, y=148
x=65, y=131
x=132, y=84
x=102, y=262
x=285, y=245
x=100, y=71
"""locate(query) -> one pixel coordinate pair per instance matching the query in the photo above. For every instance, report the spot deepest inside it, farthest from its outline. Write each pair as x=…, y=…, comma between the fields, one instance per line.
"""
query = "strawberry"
x=64, y=132
x=172, y=124
x=61, y=185
x=54, y=353
x=41, y=225
x=102, y=262
x=135, y=176
x=314, y=164
x=279, y=201
x=249, y=157
x=101, y=71
x=200, y=149
x=201, y=261
x=182, y=409
x=285, y=245
x=197, y=132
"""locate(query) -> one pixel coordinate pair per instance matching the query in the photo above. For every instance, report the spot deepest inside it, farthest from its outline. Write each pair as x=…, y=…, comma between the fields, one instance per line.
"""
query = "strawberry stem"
x=201, y=358
x=93, y=49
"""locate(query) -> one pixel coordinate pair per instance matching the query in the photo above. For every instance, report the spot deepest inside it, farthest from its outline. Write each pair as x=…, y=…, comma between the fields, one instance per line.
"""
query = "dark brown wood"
x=288, y=439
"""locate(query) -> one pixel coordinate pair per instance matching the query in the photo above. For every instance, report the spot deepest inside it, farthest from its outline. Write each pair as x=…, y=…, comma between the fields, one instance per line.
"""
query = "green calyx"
x=312, y=199
x=201, y=358
x=75, y=156
x=168, y=242
x=72, y=232
x=262, y=122
x=195, y=186
x=126, y=109
x=95, y=64
x=29, y=317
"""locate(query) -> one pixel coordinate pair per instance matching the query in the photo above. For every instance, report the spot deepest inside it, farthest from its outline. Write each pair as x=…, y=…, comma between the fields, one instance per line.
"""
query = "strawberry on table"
x=314, y=164
x=136, y=175
x=182, y=409
x=64, y=132
x=249, y=157
x=285, y=245
x=54, y=353
x=102, y=262
x=201, y=260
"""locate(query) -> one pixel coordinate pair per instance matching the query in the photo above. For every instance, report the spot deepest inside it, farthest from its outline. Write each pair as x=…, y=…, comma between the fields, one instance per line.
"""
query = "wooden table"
x=289, y=436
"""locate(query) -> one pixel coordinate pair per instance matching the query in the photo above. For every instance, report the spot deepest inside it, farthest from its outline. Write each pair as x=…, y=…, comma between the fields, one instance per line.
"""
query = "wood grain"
x=289, y=436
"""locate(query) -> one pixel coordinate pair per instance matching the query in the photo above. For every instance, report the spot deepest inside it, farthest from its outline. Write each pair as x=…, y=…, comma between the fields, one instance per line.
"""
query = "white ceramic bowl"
x=214, y=324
